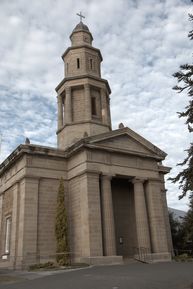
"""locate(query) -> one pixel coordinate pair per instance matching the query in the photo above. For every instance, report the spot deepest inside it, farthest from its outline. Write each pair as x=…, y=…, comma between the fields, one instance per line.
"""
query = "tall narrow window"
x=7, y=235
x=91, y=63
x=78, y=62
x=66, y=67
x=93, y=106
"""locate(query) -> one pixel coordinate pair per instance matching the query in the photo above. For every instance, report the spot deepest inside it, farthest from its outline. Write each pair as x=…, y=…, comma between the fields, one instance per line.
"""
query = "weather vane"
x=80, y=15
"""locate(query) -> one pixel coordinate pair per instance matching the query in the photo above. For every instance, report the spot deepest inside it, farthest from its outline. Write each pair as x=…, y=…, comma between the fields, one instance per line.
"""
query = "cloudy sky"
x=143, y=42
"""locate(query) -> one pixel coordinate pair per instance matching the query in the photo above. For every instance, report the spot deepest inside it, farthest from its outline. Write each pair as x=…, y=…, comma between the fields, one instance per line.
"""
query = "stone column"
x=104, y=107
x=87, y=102
x=156, y=217
x=167, y=222
x=1, y=212
x=108, y=217
x=68, y=106
x=166, y=214
x=60, y=112
x=142, y=227
x=108, y=112
x=21, y=222
x=29, y=220
x=94, y=212
x=15, y=223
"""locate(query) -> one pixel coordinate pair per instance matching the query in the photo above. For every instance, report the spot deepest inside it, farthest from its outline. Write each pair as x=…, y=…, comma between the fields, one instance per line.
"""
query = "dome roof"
x=81, y=26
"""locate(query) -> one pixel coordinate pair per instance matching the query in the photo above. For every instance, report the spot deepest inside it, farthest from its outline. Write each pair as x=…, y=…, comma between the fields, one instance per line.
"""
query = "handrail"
x=142, y=254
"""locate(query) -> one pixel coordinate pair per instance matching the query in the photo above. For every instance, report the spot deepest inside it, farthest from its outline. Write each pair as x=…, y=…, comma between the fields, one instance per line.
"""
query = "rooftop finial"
x=80, y=15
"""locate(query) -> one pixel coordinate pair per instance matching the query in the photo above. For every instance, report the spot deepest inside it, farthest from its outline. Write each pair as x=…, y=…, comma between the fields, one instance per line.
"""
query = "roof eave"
x=80, y=77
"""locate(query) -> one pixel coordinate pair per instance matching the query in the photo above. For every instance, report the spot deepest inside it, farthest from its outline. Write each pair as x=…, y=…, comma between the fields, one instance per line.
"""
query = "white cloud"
x=142, y=42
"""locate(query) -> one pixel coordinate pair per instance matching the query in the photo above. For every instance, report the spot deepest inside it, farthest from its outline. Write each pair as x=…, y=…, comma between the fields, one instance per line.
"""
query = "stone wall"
x=119, y=163
x=84, y=54
x=78, y=105
x=28, y=194
x=48, y=190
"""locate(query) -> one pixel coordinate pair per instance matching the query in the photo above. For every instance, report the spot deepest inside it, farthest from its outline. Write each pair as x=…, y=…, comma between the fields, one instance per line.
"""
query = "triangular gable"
x=126, y=140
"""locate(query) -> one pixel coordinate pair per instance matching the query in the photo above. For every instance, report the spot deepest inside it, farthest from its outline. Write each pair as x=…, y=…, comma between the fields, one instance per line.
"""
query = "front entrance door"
x=124, y=215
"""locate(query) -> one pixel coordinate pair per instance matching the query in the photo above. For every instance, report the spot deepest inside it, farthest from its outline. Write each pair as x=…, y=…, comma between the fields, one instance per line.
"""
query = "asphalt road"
x=131, y=276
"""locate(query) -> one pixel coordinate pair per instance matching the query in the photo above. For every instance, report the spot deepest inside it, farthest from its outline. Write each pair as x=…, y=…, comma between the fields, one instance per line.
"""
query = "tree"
x=185, y=80
x=177, y=232
x=61, y=228
x=188, y=227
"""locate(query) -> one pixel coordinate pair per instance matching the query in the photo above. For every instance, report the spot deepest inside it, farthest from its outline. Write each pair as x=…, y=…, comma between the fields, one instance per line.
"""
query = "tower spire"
x=83, y=96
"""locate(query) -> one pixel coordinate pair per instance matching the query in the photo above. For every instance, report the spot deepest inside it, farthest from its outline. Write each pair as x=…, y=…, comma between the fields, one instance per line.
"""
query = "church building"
x=114, y=179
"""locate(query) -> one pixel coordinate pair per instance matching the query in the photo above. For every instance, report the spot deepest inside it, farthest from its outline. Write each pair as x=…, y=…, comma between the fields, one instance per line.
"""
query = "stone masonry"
x=114, y=179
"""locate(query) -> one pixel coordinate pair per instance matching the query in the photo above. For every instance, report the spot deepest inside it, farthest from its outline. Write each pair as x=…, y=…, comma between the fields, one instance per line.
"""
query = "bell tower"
x=83, y=96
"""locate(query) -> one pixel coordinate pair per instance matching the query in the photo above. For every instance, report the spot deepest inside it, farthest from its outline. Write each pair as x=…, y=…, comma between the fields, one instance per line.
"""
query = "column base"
x=154, y=257
x=102, y=260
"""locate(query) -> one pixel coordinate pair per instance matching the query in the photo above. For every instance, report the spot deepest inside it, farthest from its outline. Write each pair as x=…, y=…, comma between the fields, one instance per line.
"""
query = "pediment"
x=124, y=142
x=127, y=141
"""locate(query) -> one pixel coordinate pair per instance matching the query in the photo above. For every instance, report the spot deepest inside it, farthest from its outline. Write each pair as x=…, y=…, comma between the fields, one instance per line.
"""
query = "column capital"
x=107, y=176
x=153, y=180
x=68, y=89
x=103, y=90
x=59, y=97
x=138, y=180
x=86, y=86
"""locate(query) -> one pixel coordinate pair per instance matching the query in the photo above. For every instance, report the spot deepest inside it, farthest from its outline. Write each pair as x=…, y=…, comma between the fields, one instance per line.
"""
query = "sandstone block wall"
x=29, y=193
x=48, y=190
x=85, y=55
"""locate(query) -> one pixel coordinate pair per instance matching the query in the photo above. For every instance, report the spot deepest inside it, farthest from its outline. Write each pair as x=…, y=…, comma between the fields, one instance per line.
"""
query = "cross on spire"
x=80, y=15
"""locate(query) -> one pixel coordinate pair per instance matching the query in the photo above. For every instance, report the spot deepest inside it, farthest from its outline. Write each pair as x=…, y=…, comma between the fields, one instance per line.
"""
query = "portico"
x=128, y=217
